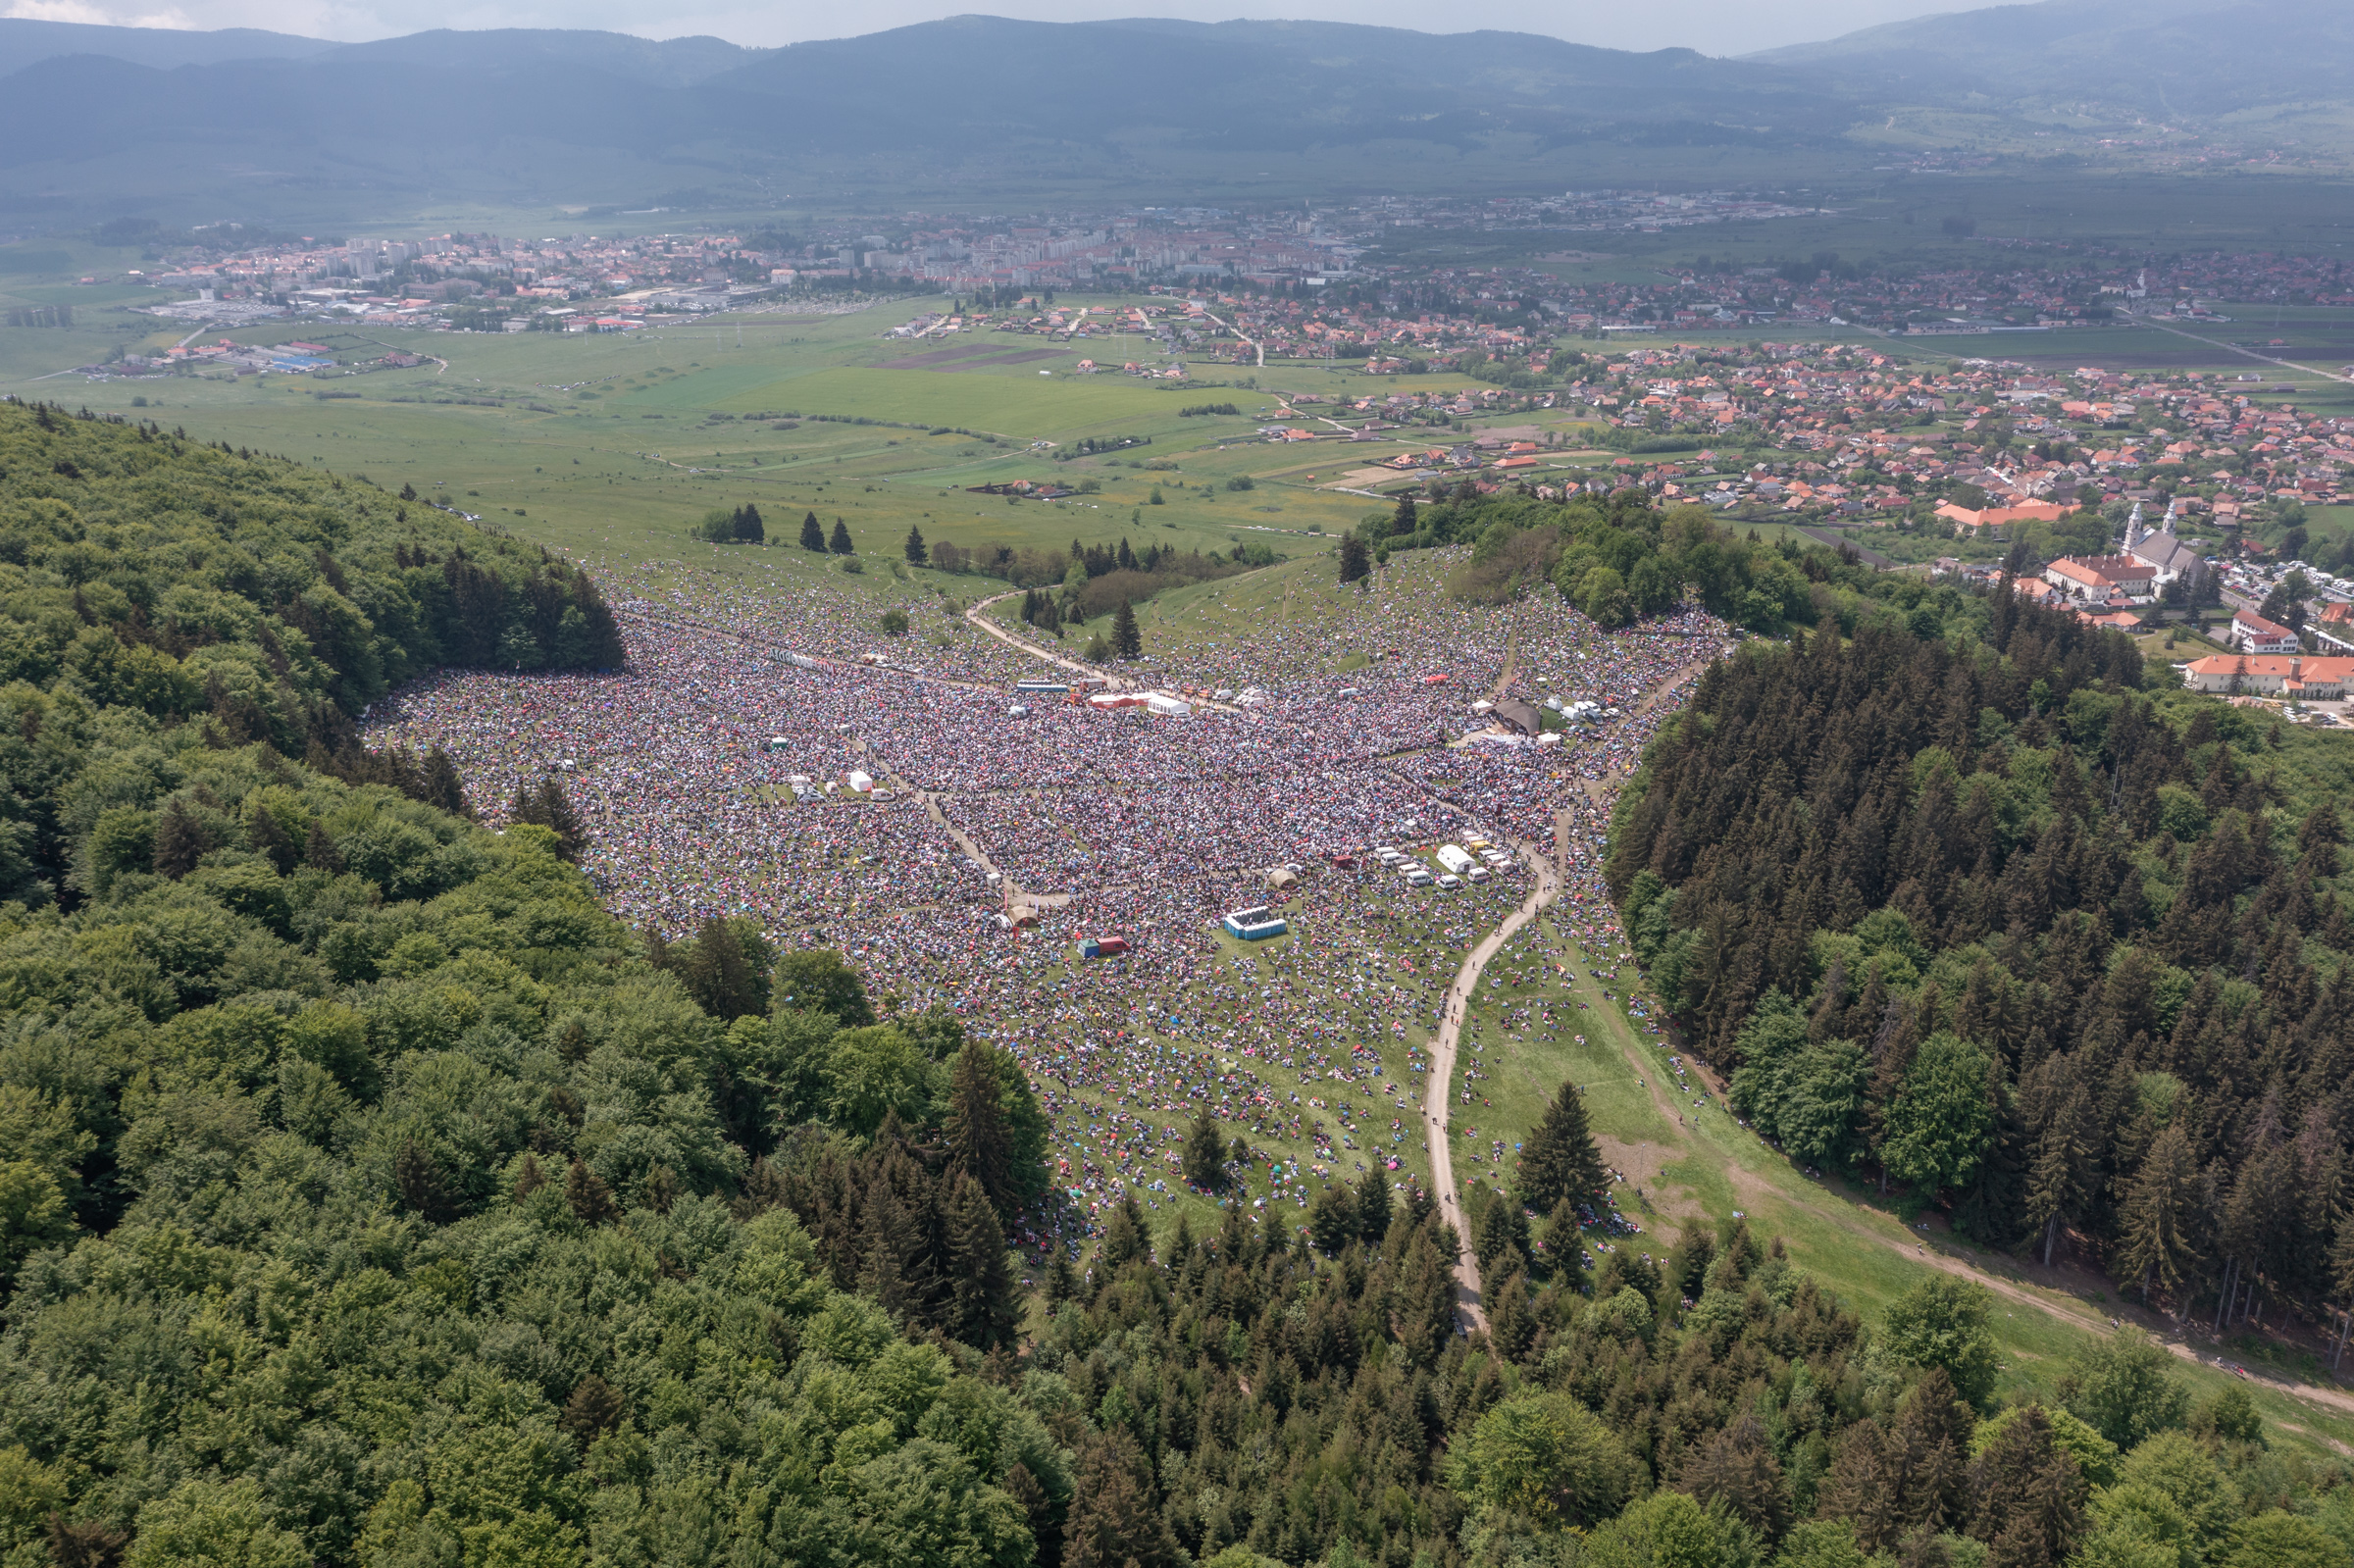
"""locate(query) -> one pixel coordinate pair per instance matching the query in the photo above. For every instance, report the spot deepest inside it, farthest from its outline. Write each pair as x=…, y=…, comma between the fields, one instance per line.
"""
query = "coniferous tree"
x=974, y=1129
x=749, y=529
x=1125, y=1237
x=595, y=1409
x=1564, y=1242
x=1737, y=1469
x=1560, y=1160
x=417, y=1177
x=180, y=841
x=1928, y=1446
x=841, y=539
x=441, y=785
x=1115, y=1522
x=1373, y=1205
x=983, y=1310
x=1864, y=1488
x=319, y=851
x=1404, y=521
x=266, y=837
x=1126, y=640
x=2028, y=1496
x=1045, y=1529
x=1500, y=1235
x=590, y=1200
x=1425, y=1302
x=813, y=534
x=1355, y=563
x=2160, y=1219
x=918, y=554
x=725, y=969
x=1062, y=1282
x=2059, y=1162
x=552, y=809
x=1332, y=1220
x=1511, y=1327
x=83, y=1543
x=1206, y=1154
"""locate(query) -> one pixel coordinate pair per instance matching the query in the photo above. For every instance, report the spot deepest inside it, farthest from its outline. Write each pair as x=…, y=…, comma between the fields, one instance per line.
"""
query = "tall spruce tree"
x=2160, y=1222
x=1373, y=1205
x=1206, y=1154
x=180, y=841
x=917, y=552
x=1560, y=1160
x=975, y=1128
x=813, y=534
x=547, y=806
x=442, y=786
x=1126, y=640
x=841, y=539
x=983, y=1309
x=1114, y=1521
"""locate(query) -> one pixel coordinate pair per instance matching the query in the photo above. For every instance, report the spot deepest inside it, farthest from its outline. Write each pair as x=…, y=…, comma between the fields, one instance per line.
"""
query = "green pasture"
x=1032, y=409
x=615, y=444
x=631, y=469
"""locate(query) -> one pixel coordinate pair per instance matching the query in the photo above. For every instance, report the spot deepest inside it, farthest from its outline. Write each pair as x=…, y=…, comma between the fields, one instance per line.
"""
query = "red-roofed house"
x=2101, y=579
x=2252, y=634
x=2262, y=675
x=2334, y=626
x=1994, y=517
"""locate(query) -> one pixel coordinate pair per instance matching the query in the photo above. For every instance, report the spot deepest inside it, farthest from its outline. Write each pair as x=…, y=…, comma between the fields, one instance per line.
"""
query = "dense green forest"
x=1989, y=910
x=368, y=1197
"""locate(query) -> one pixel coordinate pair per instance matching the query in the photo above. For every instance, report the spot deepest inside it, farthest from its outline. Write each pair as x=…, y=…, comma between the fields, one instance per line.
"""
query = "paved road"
x=1257, y=348
x=1441, y=1071
x=2245, y=353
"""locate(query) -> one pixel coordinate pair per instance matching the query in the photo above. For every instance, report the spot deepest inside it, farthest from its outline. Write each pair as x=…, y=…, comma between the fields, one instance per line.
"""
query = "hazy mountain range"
x=96, y=117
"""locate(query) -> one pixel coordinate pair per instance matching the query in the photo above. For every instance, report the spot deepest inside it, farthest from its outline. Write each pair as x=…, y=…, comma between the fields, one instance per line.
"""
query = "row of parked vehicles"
x=1474, y=860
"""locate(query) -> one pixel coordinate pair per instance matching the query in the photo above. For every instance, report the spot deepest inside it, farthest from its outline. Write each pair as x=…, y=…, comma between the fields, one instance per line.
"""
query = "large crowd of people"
x=917, y=824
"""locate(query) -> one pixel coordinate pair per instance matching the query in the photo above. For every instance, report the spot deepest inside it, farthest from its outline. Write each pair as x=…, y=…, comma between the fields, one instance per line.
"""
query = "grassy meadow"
x=614, y=444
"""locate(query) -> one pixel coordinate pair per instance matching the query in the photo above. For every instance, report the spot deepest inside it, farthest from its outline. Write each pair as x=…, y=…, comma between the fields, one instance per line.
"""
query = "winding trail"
x=1945, y=1256
x=990, y=626
x=1442, y=1068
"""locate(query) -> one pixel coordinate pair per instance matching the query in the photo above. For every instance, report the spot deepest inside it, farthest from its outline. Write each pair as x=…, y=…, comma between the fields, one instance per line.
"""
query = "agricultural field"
x=615, y=444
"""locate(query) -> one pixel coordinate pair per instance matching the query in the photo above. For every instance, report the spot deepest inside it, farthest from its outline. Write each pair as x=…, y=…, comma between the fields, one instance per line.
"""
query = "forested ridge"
x=1621, y=558
x=370, y=1197
x=1996, y=913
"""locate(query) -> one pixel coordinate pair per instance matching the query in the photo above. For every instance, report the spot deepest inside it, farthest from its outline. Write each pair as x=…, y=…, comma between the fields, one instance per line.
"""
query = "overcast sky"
x=1714, y=26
